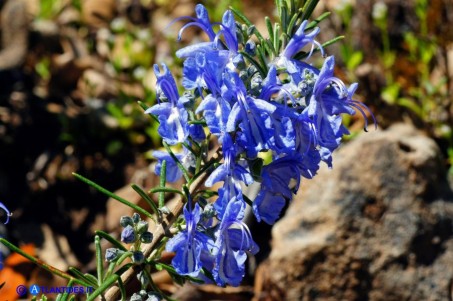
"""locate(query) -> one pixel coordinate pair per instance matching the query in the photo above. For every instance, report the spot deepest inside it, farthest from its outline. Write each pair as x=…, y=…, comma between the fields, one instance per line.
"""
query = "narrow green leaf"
x=278, y=5
x=308, y=9
x=146, y=197
x=247, y=22
x=65, y=295
x=315, y=22
x=277, y=38
x=180, y=166
x=165, y=189
x=162, y=182
x=112, y=195
x=107, y=283
x=122, y=289
x=254, y=63
x=92, y=279
x=292, y=22
x=269, y=28
x=269, y=48
x=99, y=261
x=117, y=244
x=79, y=274
x=143, y=105
x=262, y=57
x=284, y=18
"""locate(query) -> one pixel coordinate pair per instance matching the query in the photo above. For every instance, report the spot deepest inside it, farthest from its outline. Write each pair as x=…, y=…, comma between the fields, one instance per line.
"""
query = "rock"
x=378, y=226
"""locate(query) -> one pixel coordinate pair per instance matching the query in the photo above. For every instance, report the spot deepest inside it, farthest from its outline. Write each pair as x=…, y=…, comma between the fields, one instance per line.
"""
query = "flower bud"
x=143, y=278
x=136, y=297
x=153, y=297
x=142, y=227
x=128, y=235
x=112, y=254
x=138, y=257
x=136, y=217
x=250, y=47
x=146, y=237
x=126, y=221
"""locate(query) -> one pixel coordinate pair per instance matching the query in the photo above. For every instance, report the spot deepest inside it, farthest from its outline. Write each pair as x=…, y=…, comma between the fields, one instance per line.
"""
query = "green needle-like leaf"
x=254, y=63
x=112, y=195
x=180, y=166
x=308, y=9
x=146, y=197
x=99, y=261
x=79, y=274
x=162, y=182
x=107, y=283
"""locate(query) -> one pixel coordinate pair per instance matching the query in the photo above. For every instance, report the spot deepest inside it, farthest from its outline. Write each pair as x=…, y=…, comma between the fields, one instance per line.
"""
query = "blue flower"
x=173, y=173
x=233, y=241
x=306, y=145
x=202, y=21
x=299, y=40
x=232, y=174
x=252, y=116
x=190, y=245
x=128, y=235
x=228, y=31
x=8, y=214
x=329, y=100
x=172, y=115
x=280, y=179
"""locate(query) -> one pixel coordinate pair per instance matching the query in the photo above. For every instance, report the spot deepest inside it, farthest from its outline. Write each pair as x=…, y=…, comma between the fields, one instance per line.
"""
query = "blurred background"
x=72, y=71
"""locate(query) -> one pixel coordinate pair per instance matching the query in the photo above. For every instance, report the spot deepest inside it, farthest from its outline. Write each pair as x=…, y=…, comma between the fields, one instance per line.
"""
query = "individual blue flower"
x=307, y=146
x=280, y=180
x=299, y=40
x=228, y=31
x=173, y=173
x=252, y=115
x=7, y=213
x=202, y=21
x=329, y=100
x=128, y=235
x=231, y=173
x=172, y=115
x=196, y=132
x=190, y=245
x=233, y=242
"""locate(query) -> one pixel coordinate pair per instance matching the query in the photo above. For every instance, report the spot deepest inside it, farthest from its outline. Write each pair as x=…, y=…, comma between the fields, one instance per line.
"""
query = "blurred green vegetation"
x=415, y=81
